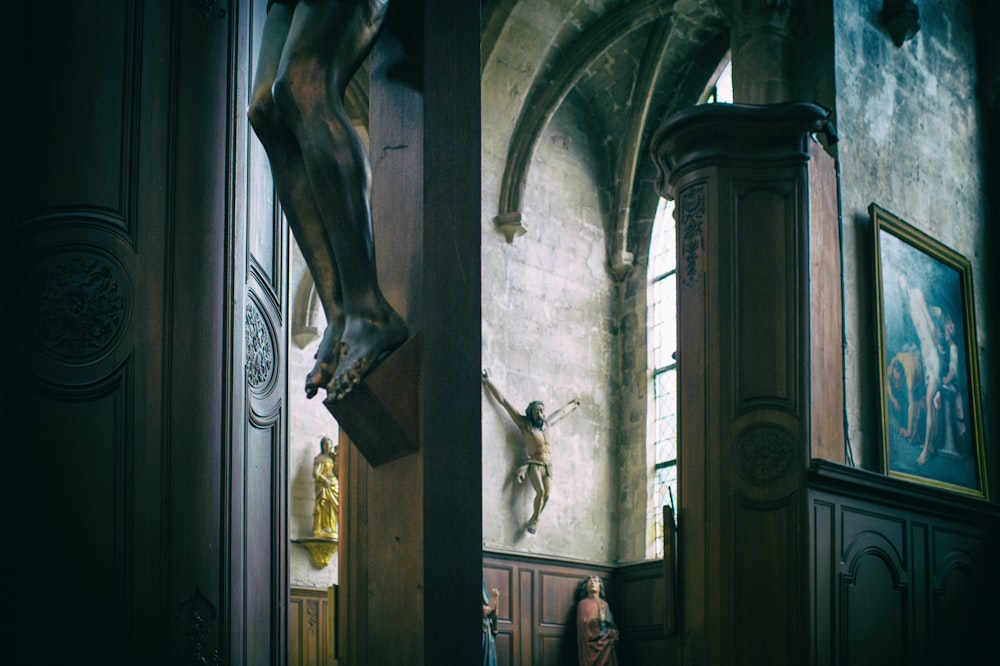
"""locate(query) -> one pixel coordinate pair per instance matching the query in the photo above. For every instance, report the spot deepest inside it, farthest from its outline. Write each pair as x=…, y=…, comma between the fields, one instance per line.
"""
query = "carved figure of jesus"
x=534, y=427
x=309, y=52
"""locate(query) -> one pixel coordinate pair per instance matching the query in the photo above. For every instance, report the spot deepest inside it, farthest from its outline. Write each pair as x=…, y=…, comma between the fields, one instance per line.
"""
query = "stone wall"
x=910, y=131
x=308, y=422
x=547, y=313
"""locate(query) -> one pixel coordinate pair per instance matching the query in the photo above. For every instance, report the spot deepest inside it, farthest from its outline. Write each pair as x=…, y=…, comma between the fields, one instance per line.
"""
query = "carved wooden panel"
x=876, y=600
x=765, y=315
x=826, y=398
x=73, y=499
x=79, y=130
x=743, y=365
x=899, y=574
x=264, y=506
x=766, y=546
x=310, y=628
x=640, y=604
x=537, y=614
x=501, y=577
x=258, y=261
x=78, y=374
x=639, y=608
x=126, y=238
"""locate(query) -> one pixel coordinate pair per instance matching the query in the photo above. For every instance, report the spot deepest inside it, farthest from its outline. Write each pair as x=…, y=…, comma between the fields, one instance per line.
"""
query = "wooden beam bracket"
x=381, y=415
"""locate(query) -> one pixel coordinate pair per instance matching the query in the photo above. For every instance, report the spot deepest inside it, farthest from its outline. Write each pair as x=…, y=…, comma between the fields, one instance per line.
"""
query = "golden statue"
x=327, y=490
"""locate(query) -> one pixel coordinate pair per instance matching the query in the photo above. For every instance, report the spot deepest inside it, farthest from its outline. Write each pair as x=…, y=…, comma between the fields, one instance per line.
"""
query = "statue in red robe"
x=595, y=627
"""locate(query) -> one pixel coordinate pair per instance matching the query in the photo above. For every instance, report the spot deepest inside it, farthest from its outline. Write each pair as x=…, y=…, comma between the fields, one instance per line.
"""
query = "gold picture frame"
x=928, y=367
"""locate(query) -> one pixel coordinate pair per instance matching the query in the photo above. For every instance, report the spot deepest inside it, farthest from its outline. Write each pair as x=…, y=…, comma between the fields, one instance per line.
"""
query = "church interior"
x=741, y=250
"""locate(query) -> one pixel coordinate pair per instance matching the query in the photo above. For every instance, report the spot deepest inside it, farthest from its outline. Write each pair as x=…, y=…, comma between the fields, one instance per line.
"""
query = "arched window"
x=661, y=343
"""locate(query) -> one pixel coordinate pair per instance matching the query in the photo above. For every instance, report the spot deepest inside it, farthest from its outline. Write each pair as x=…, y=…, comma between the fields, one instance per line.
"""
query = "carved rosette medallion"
x=765, y=455
x=260, y=350
x=691, y=216
x=75, y=305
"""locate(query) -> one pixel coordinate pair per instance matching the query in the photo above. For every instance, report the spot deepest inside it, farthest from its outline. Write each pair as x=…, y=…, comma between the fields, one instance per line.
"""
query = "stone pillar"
x=746, y=354
x=761, y=42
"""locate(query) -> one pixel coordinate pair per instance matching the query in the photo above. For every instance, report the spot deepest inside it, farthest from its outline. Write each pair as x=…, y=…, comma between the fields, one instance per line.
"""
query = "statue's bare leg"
x=328, y=41
x=540, y=482
x=295, y=194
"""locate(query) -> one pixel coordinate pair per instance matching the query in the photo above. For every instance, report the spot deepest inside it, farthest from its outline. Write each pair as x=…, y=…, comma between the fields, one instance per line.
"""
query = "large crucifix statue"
x=388, y=381
x=308, y=55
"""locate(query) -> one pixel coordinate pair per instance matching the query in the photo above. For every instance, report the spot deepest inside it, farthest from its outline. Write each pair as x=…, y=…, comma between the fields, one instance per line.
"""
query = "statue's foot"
x=924, y=455
x=326, y=360
x=363, y=346
x=533, y=526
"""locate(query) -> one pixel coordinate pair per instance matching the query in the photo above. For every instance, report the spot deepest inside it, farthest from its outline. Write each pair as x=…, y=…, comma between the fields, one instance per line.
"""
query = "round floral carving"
x=259, y=349
x=75, y=304
x=765, y=454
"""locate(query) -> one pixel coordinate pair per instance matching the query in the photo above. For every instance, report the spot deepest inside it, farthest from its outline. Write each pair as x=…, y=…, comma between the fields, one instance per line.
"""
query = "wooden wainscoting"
x=311, y=627
x=902, y=574
x=641, y=611
x=537, y=613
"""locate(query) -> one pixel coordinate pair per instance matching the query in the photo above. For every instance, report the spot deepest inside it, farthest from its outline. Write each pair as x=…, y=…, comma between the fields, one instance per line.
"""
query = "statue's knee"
x=284, y=96
x=261, y=111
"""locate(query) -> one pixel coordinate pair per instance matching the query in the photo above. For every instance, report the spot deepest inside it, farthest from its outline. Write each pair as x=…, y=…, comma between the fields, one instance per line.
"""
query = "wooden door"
x=145, y=373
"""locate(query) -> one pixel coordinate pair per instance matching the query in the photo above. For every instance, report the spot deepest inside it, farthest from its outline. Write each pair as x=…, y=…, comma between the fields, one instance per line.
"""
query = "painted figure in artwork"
x=905, y=388
x=309, y=52
x=596, y=633
x=928, y=334
x=534, y=427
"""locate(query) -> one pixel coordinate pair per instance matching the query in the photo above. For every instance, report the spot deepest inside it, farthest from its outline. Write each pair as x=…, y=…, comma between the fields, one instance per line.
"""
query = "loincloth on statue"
x=546, y=467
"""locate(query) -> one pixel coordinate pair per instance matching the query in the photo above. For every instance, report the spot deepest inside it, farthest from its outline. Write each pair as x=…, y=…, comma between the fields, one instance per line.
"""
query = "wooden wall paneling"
x=502, y=577
x=309, y=628
x=526, y=649
x=257, y=257
x=900, y=573
x=352, y=611
x=875, y=586
x=961, y=588
x=555, y=624
x=822, y=582
x=639, y=605
x=200, y=375
x=876, y=602
x=538, y=618
x=826, y=315
x=761, y=240
x=542, y=606
x=84, y=261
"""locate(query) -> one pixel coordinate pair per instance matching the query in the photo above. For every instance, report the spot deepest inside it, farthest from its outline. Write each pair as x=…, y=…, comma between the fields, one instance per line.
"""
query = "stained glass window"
x=662, y=441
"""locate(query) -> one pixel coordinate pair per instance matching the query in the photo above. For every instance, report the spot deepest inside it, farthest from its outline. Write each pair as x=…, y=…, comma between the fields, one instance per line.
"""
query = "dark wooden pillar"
x=411, y=553
x=747, y=352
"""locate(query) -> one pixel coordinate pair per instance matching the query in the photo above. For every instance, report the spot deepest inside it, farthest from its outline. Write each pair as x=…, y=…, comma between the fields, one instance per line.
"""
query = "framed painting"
x=928, y=367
